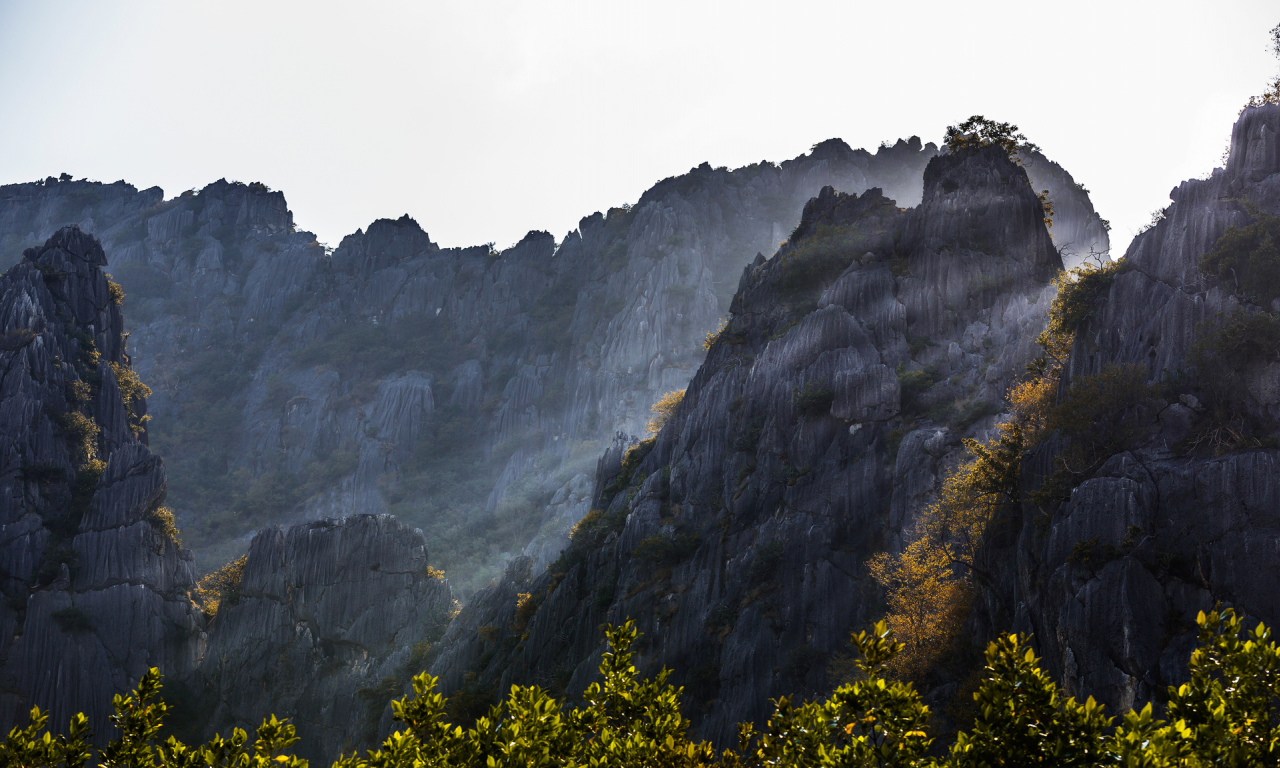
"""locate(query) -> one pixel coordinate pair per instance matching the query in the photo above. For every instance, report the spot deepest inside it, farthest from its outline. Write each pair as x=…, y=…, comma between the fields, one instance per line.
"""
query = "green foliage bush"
x=978, y=132
x=222, y=587
x=765, y=563
x=81, y=431
x=818, y=258
x=747, y=440
x=162, y=518
x=1078, y=292
x=1096, y=420
x=1247, y=259
x=132, y=392
x=913, y=384
x=1222, y=717
x=814, y=399
x=1227, y=349
x=631, y=461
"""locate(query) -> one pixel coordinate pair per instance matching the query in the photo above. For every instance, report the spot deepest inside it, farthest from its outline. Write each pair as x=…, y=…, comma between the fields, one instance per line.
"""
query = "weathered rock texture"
x=1184, y=529
x=334, y=617
x=95, y=589
x=278, y=366
x=824, y=414
x=471, y=391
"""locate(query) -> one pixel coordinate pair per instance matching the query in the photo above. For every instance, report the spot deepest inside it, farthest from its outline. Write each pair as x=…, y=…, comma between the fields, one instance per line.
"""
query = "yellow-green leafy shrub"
x=132, y=392
x=221, y=586
x=162, y=518
x=1223, y=716
x=663, y=410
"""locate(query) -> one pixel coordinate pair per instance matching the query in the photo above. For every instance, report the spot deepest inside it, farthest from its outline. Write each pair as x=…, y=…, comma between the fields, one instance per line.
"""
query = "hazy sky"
x=484, y=120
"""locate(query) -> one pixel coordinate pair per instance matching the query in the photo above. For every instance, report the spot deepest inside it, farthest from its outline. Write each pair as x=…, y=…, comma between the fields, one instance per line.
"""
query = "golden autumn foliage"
x=116, y=292
x=83, y=431
x=223, y=585
x=162, y=518
x=1078, y=290
x=132, y=391
x=662, y=410
x=713, y=336
x=929, y=585
x=927, y=603
x=1033, y=400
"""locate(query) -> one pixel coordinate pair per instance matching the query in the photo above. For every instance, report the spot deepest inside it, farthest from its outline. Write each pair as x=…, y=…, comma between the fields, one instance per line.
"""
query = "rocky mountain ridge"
x=1177, y=521
x=301, y=383
x=295, y=383
x=817, y=432
x=852, y=363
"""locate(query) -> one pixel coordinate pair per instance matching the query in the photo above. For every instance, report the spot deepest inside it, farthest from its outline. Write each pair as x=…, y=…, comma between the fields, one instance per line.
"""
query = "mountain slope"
x=465, y=390
x=1183, y=513
x=853, y=361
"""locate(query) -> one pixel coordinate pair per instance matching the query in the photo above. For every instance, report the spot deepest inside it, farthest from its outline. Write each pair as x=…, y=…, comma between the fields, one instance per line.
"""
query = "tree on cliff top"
x=978, y=131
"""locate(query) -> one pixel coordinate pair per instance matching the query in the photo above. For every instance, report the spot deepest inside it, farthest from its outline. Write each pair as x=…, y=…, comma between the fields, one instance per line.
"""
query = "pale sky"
x=484, y=120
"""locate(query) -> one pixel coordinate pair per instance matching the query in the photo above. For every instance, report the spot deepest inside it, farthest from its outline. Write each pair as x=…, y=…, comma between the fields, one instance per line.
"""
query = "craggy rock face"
x=329, y=612
x=819, y=423
x=1185, y=530
x=738, y=541
x=528, y=360
x=95, y=590
x=525, y=362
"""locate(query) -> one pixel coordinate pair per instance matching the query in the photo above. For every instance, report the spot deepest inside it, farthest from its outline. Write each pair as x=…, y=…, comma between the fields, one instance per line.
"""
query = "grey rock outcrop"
x=1079, y=233
x=266, y=353
x=332, y=620
x=95, y=587
x=737, y=538
x=471, y=392
x=1179, y=529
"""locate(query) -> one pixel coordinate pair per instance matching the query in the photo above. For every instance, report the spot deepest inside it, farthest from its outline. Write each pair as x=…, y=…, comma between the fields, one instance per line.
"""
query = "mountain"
x=853, y=362
x=1184, y=516
x=94, y=578
x=303, y=393
x=830, y=410
x=328, y=623
x=467, y=391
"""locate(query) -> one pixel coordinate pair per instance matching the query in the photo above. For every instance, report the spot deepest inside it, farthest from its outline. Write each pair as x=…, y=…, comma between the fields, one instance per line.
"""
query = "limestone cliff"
x=471, y=391
x=95, y=585
x=1181, y=526
x=466, y=390
x=852, y=362
x=331, y=620
x=291, y=382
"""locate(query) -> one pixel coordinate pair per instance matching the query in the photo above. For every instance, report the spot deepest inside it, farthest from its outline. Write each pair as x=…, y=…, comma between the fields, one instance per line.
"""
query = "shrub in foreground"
x=1223, y=717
